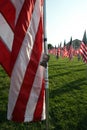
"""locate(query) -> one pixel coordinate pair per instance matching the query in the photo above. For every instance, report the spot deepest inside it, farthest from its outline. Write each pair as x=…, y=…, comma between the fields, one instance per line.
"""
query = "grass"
x=67, y=97
x=68, y=94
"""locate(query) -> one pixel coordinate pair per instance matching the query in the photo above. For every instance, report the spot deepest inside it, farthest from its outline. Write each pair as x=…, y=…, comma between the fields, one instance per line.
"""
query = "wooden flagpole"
x=46, y=69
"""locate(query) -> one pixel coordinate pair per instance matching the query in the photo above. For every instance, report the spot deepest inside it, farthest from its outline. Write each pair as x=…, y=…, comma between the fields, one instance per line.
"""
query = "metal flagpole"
x=46, y=69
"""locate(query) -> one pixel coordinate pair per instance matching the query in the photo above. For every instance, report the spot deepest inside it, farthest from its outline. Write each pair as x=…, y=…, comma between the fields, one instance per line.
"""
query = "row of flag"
x=21, y=55
x=21, y=50
x=69, y=51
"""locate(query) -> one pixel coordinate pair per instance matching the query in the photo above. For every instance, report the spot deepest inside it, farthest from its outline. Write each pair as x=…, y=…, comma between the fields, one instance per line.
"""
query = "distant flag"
x=52, y=51
x=55, y=50
x=65, y=52
x=60, y=46
x=70, y=49
x=58, y=50
x=27, y=93
x=83, y=48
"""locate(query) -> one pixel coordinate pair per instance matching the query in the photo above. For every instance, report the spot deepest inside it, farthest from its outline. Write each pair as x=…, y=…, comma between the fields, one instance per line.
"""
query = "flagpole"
x=46, y=69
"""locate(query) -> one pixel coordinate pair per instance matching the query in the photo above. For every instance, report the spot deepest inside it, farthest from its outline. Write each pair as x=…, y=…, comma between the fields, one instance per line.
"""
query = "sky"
x=65, y=19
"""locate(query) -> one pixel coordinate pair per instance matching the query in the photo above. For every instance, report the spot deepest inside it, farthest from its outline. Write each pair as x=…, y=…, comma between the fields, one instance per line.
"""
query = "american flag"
x=70, y=49
x=27, y=94
x=64, y=50
x=83, y=48
x=52, y=51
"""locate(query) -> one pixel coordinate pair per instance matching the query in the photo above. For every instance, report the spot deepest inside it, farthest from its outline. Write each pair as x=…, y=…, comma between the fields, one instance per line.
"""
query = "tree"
x=50, y=46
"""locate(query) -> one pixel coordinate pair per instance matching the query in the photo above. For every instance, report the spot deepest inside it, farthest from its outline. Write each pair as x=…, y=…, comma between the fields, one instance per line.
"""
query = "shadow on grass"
x=68, y=87
x=63, y=67
x=3, y=116
x=78, y=70
x=56, y=75
x=65, y=73
x=56, y=64
x=82, y=125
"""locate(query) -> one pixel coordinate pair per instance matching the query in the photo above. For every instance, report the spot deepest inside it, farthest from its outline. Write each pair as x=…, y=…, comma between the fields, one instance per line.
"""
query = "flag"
x=7, y=19
x=26, y=101
x=52, y=51
x=70, y=49
x=58, y=51
x=64, y=50
x=83, y=48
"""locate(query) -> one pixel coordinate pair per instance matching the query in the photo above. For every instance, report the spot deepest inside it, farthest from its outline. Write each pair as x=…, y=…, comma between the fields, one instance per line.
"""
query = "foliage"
x=75, y=43
x=67, y=97
x=50, y=46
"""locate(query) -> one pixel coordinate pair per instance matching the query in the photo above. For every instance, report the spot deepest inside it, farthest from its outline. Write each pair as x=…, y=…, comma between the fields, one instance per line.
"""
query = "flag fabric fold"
x=27, y=93
x=7, y=24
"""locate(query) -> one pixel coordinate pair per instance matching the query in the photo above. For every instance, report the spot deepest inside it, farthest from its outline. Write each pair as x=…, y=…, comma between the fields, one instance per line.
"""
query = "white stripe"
x=18, y=5
x=23, y=60
x=6, y=33
x=83, y=49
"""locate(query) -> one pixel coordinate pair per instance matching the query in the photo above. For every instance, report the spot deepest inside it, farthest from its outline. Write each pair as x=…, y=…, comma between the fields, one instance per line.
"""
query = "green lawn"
x=67, y=97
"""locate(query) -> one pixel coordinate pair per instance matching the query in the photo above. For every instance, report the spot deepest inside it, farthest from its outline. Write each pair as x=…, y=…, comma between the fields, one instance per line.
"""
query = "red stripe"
x=5, y=56
x=20, y=107
x=83, y=51
x=21, y=28
x=84, y=57
x=8, y=11
x=39, y=107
